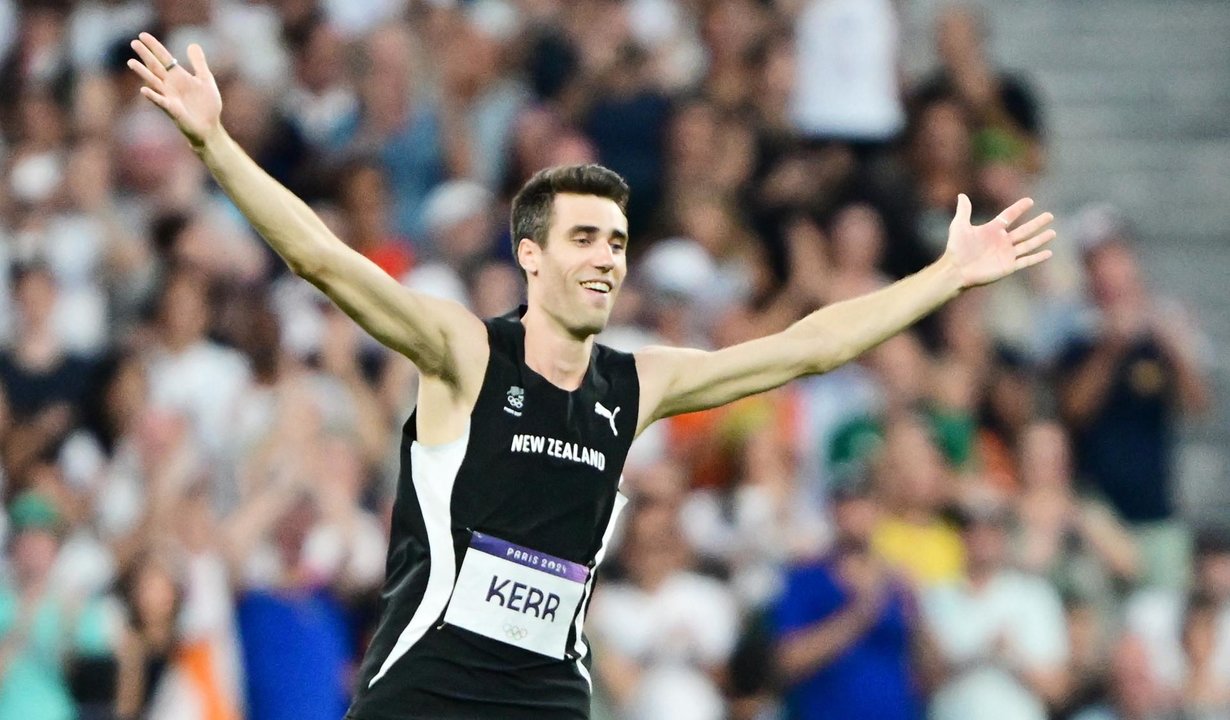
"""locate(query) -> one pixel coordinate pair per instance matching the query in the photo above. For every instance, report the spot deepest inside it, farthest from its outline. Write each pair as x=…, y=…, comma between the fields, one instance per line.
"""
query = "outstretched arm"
x=443, y=339
x=675, y=381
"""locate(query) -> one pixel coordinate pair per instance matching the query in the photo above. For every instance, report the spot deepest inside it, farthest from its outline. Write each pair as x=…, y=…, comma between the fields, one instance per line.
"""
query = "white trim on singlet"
x=433, y=472
x=581, y=648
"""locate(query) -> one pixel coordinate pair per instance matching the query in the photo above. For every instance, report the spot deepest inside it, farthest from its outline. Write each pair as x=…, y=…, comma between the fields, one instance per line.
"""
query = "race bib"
x=517, y=595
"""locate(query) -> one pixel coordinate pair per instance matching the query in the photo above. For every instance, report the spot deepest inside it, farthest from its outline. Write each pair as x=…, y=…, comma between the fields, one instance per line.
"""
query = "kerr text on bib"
x=517, y=595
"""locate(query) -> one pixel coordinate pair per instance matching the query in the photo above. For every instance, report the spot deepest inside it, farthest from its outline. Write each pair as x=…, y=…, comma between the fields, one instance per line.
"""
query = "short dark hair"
x=531, y=207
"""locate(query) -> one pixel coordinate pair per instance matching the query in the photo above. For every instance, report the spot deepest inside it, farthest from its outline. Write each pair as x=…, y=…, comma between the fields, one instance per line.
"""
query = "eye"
x=617, y=245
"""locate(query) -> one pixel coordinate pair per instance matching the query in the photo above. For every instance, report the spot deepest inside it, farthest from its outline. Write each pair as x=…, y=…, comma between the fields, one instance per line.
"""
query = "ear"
x=528, y=255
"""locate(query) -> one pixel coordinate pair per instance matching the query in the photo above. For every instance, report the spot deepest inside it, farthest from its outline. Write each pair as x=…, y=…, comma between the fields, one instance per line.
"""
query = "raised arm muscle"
x=440, y=337
x=675, y=381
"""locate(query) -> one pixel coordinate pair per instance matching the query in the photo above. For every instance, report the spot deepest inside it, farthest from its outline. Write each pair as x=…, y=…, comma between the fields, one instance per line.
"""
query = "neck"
x=555, y=353
x=176, y=344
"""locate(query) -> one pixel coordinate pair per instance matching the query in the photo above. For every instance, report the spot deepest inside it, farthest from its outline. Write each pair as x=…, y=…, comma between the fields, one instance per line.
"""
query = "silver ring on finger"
x=171, y=65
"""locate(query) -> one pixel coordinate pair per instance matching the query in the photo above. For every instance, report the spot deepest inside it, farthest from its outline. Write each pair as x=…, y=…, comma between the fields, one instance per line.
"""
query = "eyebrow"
x=594, y=230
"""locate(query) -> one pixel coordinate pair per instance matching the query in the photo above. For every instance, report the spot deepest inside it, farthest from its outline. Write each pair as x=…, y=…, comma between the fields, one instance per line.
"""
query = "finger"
x=149, y=59
x=157, y=98
x=146, y=74
x=1031, y=228
x=1031, y=260
x=160, y=51
x=196, y=56
x=1014, y=212
x=1034, y=243
x=964, y=210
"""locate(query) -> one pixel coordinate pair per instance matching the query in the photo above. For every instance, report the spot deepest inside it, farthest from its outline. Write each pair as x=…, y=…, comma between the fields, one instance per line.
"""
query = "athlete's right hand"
x=191, y=99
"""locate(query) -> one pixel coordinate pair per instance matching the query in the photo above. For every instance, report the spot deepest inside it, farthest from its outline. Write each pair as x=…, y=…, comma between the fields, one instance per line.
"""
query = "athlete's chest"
x=543, y=464
x=522, y=418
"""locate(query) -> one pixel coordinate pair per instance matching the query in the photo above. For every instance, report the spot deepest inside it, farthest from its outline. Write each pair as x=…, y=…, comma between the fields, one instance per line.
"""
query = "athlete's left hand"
x=985, y=253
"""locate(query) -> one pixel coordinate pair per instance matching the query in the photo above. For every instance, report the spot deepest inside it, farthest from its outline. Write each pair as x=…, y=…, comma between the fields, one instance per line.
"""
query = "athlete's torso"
x=539, y=468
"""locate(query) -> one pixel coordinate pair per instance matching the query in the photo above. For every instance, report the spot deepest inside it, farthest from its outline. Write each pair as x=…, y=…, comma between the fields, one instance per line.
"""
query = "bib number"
x=516, y=595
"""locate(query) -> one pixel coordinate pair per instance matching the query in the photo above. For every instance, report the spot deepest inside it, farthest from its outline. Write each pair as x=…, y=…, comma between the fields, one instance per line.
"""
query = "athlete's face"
x=577, y=275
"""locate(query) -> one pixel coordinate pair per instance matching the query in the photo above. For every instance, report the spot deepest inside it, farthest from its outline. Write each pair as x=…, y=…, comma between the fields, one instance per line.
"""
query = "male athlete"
x=511, y=461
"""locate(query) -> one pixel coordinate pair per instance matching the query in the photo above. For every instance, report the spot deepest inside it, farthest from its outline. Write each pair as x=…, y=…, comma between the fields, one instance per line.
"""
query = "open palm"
x=985, y=253
x=191, y=99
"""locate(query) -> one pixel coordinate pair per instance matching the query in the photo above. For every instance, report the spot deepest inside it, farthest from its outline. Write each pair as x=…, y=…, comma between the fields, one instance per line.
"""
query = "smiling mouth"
x=599, y=286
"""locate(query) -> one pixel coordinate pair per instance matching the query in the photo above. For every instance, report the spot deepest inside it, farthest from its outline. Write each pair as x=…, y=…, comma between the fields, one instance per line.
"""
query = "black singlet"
x=538, y=467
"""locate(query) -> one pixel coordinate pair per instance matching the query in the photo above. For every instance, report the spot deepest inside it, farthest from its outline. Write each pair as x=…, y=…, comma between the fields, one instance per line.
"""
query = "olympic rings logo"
x=515, y=632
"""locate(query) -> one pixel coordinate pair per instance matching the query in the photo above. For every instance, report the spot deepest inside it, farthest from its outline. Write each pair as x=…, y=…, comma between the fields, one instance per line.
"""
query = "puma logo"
x=610, y=416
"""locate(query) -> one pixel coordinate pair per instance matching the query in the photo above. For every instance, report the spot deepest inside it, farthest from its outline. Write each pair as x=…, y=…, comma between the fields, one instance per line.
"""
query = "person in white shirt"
x=846, y=85
x=1155, y=614
x=666, y=631
x=189, y=374
x=1002, y=632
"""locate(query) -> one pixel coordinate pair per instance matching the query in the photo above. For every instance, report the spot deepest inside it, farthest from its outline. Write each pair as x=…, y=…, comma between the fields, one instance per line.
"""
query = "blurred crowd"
x=975, y=520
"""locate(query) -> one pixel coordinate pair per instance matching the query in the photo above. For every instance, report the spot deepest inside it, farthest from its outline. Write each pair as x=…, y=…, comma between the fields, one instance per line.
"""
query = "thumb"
x=964, y=211
x=196, y=56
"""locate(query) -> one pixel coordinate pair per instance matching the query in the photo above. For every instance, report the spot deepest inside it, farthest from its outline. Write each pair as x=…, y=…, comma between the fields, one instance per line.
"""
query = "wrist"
x=949, y=274
x=210, y=141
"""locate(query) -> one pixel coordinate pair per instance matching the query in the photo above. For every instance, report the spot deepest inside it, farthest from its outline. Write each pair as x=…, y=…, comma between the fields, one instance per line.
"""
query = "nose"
x=604, y=256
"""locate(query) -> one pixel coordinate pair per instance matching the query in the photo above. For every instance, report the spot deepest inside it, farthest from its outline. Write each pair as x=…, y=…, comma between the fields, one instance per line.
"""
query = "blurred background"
x=1016, y=510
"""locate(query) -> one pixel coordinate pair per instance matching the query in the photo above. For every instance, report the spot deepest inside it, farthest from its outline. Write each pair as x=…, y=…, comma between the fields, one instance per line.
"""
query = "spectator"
x=478, y=89
x=711, y=256
x=847, y=628
x=665, y=631
x=363, y=195
x=43, y=629
x=44, y=385
x=846, y=84
x=940, y=158
x=459, y=217
x=1091, y=633
x=161, y=674
x=407, y=133
x=1125, y=387
x=39, y=59
x=1078, y=544
x=1206, y=694
x=1004, y=108
x=762, y=522
x=1134, y=691
x=188, y=373
x=1155, y=615
x=626, y=122
x=857, y=251
x=912, y=536
x=93, y=256
x=901, y=370
x=295, y=630
x=242, y=37
x=1001, y=631
x=321, y=97
x=1009, y=408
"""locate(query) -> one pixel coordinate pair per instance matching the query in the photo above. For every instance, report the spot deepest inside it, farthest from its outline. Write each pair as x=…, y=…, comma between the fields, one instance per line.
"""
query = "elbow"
x=788, y=669
x=310, y=267
x=795, y=659
x=317, y=266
